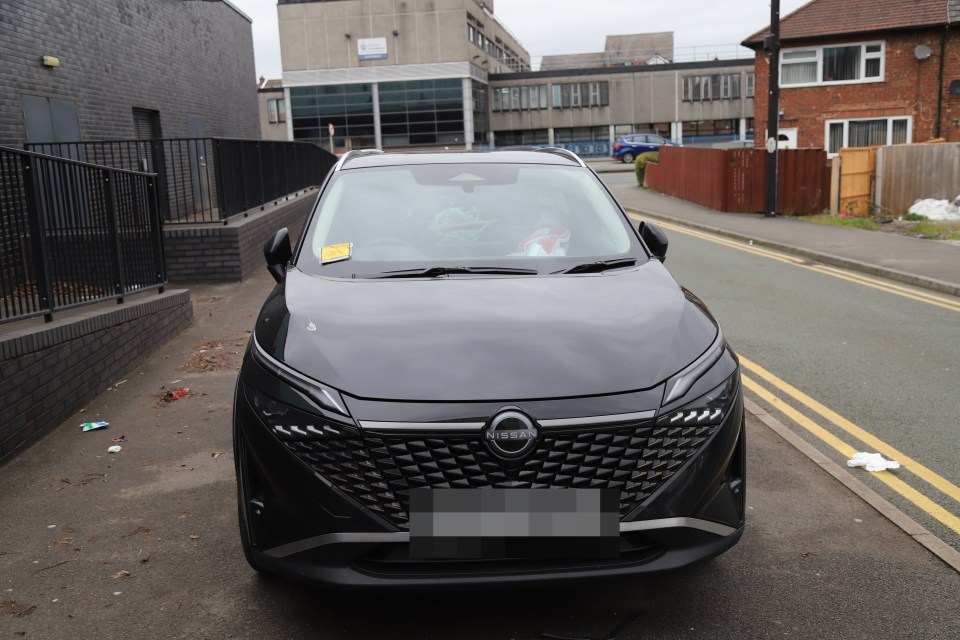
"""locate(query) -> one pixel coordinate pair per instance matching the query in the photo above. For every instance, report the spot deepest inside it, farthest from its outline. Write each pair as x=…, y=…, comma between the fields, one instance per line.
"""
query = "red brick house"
x=857, y=73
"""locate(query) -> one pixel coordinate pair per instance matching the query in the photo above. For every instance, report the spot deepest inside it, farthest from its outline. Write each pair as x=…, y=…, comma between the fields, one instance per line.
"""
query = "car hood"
x=486, y=338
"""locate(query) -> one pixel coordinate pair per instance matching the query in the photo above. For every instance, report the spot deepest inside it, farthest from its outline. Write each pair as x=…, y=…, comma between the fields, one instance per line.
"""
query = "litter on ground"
x=90, y=426
x=872, y=462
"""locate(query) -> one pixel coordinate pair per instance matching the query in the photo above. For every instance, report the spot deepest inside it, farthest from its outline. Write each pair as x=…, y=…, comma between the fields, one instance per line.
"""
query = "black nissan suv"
x=475, y=369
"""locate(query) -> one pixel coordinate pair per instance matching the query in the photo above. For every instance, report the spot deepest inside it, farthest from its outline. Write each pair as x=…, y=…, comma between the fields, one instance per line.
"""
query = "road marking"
x=834, y=272
x=859, y=433
x=906, y=491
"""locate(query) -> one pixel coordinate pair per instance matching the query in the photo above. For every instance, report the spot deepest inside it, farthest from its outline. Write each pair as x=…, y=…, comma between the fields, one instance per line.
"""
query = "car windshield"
x=462, y=218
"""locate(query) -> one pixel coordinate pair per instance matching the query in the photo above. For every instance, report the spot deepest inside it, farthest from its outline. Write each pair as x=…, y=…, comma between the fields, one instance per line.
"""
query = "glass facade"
x=481, y=114
x=349, y=108
x=421, y=112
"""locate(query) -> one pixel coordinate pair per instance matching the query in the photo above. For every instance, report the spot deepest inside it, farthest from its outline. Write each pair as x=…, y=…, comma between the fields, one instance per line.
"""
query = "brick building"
x=859, y=73
x=88, y=69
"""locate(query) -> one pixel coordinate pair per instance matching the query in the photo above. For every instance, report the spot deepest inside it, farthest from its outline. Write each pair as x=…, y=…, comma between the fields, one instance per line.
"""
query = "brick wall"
x=217, y=252
x=179, y=58
x=47, y=372
x=910, y=88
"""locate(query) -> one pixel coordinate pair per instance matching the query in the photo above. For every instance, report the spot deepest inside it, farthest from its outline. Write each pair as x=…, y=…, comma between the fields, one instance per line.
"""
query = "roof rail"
x=566, y=153
x=355, y=153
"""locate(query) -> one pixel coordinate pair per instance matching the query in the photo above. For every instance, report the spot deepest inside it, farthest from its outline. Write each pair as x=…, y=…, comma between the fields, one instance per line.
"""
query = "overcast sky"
x=712, y=26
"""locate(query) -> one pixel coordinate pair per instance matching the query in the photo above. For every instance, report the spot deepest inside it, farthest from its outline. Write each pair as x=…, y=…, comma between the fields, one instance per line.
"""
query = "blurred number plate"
x=514, y=523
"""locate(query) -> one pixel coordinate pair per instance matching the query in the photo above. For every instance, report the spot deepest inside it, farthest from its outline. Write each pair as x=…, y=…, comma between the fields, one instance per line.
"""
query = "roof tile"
x=835, y=17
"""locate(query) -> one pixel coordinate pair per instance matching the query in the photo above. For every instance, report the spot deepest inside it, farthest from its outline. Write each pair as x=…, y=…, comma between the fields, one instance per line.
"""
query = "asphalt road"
x=887, y=363
x=145, y=542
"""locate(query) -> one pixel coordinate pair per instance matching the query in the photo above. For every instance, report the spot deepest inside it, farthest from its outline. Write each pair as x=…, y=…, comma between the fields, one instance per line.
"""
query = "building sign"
x=371, y=49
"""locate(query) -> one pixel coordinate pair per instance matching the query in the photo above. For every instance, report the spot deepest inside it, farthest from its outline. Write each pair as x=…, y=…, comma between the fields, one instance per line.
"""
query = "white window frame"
x=575, y=97
x=846, y=130
x=818, y=58
x=276, y=111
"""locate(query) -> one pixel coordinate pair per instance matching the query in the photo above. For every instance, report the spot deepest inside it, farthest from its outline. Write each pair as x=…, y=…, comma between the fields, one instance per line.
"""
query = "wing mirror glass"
x=278, y=253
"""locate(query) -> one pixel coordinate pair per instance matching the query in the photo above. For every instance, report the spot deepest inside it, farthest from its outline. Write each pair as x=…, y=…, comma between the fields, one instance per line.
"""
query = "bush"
x=640, y=164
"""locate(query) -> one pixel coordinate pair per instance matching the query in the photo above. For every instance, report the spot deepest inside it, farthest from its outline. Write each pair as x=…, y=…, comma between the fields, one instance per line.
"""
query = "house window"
x=751, y=85
x=861, y=62
x=276, y=111
x=872, y=132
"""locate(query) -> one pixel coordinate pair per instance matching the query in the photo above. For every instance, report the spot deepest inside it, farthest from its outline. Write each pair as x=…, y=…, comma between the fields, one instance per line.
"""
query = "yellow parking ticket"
x=336, y=252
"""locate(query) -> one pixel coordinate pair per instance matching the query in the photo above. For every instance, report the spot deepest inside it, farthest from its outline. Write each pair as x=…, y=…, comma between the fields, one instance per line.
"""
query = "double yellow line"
x=848, y=428
x=855, y=278
x=872, y=442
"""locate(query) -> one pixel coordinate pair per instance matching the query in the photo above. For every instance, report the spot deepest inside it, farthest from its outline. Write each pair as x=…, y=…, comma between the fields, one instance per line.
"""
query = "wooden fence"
x=909, y=172
x=734, y=180
x=857, y=166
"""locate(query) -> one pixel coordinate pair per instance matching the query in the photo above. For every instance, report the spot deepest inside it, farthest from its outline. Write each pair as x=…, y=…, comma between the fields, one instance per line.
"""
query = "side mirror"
x=277, y=251
x=655, y=239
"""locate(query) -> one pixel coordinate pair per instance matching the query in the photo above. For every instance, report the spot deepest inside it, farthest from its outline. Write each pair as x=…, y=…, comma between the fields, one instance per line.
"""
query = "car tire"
x=627, y=157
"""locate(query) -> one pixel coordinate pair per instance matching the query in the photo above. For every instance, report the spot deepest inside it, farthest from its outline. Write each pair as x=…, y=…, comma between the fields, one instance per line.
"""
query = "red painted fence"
x=734, y=180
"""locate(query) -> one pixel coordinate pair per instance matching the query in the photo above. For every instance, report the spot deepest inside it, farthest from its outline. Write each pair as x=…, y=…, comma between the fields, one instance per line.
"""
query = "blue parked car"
x=630, y=146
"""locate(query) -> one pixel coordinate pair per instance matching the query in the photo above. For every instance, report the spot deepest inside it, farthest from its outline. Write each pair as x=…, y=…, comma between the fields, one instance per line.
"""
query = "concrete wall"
x=313, y=34
x=179, y=58
x=909, y=88
x=646, y=94
x=271, y=130
x=216, y=252
x=47, y=372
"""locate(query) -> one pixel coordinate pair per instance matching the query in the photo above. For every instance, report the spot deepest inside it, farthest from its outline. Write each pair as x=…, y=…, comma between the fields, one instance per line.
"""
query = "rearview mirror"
x=277, y=251
x=655, y=239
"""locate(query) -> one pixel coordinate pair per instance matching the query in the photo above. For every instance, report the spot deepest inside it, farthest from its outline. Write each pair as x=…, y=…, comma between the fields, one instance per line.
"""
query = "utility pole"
x=772, y=45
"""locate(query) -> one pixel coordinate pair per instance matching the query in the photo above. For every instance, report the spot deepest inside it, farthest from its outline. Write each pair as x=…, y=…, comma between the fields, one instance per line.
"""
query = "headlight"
x=709, y=409
x=289, y=423
x=327, y=398
x=678, y=385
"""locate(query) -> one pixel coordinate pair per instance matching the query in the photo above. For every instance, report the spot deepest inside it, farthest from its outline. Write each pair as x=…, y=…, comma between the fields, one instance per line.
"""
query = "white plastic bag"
x=872, y=461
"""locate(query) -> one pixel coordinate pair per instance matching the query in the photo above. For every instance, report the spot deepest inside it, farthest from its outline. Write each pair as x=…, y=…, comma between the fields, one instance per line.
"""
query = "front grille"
x=379, y=471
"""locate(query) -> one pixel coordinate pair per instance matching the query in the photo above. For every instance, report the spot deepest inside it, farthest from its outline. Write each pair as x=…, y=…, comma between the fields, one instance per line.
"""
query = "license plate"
x=514, y=523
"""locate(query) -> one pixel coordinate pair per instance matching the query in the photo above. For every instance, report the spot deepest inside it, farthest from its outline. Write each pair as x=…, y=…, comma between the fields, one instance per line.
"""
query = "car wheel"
x=627, y=157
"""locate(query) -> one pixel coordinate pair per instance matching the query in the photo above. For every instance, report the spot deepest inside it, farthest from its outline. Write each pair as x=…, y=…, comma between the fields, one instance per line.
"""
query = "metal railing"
x=74, y=233
x=203, y=180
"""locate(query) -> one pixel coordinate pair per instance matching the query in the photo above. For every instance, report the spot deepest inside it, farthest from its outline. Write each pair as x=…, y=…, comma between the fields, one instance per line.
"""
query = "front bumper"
x=329, y=515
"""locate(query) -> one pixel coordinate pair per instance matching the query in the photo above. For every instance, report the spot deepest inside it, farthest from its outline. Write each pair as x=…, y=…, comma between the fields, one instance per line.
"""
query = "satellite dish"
x=922, y=52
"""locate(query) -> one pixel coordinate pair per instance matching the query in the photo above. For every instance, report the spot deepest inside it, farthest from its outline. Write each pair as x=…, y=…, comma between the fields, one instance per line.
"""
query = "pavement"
x=923, y=263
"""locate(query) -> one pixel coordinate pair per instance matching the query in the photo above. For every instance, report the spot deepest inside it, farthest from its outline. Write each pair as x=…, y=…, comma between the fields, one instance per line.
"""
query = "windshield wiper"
x=435, y=272
x=600, y=265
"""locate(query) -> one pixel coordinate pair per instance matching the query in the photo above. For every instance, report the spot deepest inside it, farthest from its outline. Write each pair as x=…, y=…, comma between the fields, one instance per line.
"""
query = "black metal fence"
x=74, y=233
x=203, y=180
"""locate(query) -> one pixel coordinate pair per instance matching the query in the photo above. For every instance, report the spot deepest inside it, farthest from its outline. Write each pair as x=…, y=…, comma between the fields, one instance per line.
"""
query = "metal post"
x=218, y=178
x=38, y=239
x=773, y=109
x=156, y=228
x=110, y=201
